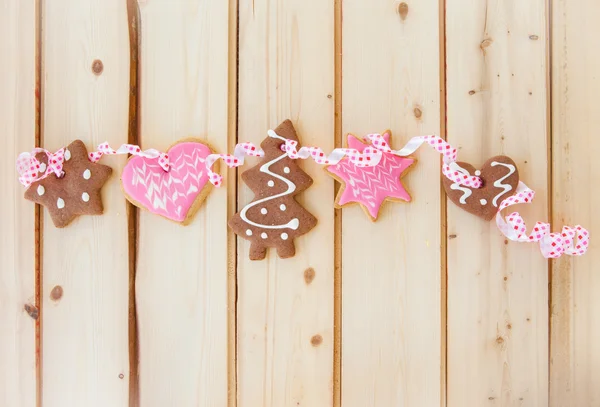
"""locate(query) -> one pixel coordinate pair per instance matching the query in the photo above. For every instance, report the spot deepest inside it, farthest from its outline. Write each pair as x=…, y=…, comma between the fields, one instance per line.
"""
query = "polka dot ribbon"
x=571, y=241
x=105, y=149
x=240, y=151
x=30, y=169
x=368, y=158
x=372, y=154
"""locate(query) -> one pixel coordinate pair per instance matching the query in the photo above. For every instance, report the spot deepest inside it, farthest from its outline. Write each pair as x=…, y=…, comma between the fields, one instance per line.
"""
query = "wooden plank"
x=391, y=285
x=181, y=282
x=575, y=281
x=85, y=326
x=497, y=290
x=285, y=307
x=17, y=241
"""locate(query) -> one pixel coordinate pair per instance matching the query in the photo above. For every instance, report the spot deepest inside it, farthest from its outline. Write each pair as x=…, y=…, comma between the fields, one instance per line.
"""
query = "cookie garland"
x=273, y=219
x=484, y=192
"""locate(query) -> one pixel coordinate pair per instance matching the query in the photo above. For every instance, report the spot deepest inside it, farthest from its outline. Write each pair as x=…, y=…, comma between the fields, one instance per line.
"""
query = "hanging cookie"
x=175, y=194
x=500, y=178
x=76, y=192
x=370, y=187
x=274, y=218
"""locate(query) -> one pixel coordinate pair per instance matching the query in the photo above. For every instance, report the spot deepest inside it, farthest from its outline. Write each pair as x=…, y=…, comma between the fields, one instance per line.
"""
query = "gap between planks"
x=232, y=193
x=337, y=221
x=443, y=218
x=133, y=20
x=38, y=220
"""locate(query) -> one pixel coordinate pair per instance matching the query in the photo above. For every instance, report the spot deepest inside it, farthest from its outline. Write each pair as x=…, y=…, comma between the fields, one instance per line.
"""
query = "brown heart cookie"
x=500, y=178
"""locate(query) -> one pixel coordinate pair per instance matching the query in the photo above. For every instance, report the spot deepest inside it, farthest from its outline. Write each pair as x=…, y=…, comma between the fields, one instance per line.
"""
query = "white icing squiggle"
x=499, y=184
x=294, y=223
x=456, y=186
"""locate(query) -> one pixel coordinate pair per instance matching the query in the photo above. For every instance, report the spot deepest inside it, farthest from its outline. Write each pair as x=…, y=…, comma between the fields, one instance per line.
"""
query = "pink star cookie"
x=371, y=186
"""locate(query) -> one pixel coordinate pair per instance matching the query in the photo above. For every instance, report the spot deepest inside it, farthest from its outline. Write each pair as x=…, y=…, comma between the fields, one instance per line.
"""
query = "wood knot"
x=316, y=340
x=418, y=113
x=452, y=236
x=97, y=67
x=329, y=96
x=56, y=293
x=309, y=275
x=121, y=376
x=32, y=311
x=509, y=326
x=403, y=10
x=505, y=278
x=472, y=92
x=534, y=37
x=499, y=340
x=485, y=43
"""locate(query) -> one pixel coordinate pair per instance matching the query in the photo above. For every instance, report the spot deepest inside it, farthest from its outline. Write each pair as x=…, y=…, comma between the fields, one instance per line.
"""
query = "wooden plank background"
x=429, y=306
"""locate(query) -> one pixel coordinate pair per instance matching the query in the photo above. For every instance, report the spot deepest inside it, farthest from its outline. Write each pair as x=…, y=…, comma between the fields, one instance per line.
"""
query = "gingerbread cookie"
x=274, y=218
x=370, y=187
x=176, y=194
x=77, y=192
x=500, y=178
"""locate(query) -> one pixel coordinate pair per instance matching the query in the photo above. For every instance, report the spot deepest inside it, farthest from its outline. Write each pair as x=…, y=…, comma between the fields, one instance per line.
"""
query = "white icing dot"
x=67, y=155
x=271, y=183
x=284, y=236
x=478, y=173
x=85, y=197
x=263, y=235
x=248, y=232
x=60, y=203
x=263, y=211
x=483, y=201
x=286, y=170
x=282, y=207
x=43, y=167
x=41, y=190
x=87, y=174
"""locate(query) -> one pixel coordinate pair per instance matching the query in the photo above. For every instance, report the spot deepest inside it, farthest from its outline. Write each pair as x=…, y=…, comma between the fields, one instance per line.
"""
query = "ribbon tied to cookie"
x=30, y=169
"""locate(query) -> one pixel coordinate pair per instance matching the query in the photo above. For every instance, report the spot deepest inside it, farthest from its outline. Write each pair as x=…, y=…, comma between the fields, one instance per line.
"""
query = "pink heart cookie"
x=176, y=194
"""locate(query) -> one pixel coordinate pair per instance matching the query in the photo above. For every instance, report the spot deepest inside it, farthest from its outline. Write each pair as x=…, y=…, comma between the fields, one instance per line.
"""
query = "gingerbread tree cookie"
x=77, y=192
x=274, y=218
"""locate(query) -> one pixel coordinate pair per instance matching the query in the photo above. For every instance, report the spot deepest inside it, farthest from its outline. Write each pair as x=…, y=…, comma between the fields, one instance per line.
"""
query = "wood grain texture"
x=181, y=281
x=285, y=307
x=391, y=285
x=575, y=350
x=17, y=241
x=85, y=344
x=497, y=290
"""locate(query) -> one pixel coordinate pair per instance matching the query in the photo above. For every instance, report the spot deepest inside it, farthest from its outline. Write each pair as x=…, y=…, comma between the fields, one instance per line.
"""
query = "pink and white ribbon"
x=231, y=160
x=105, y=149
x=448, y=152
x=571, y=241
x=30, y=169
x=371, y=155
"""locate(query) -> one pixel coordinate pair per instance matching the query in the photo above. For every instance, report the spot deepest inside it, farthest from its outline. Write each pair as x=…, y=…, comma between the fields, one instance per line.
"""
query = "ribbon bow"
x=30, y=169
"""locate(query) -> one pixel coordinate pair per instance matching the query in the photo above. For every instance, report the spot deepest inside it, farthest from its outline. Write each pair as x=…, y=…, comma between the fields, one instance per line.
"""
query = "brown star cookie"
x=77, y=192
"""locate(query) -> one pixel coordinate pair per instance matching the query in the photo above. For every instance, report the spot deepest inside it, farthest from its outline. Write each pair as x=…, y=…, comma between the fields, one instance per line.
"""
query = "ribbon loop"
x=240, y=151
x=571, y=241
